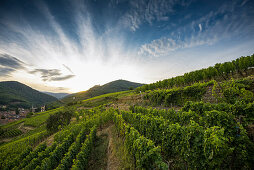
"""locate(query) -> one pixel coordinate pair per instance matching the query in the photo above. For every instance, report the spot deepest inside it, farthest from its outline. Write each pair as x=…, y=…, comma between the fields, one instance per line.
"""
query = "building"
x=3, y=106
x=43, y=108
x=33, y=109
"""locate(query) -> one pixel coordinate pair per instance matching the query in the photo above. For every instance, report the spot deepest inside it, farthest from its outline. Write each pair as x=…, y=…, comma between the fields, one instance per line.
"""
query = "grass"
x=103, y=99
x=98, y=159
x=109, y=151
x=111, y=96
x=116, y=94
x=39, y=119
x=121, y=153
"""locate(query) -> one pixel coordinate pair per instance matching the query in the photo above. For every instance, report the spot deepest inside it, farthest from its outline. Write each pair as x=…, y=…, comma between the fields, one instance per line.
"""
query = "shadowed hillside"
x=17, y=94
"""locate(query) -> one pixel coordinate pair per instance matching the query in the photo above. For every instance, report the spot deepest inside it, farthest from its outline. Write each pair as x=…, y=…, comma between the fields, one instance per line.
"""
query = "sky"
x=72, y=45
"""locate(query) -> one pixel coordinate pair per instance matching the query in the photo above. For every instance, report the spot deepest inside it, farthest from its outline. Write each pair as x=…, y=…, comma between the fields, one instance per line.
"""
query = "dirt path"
x=25, y=129
x=50, y=140
x=103, y=156
x=113, y=162
x=5, y=140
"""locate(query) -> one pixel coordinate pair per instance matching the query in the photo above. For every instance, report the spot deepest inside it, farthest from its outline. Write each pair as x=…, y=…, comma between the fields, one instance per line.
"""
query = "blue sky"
x=72, y=45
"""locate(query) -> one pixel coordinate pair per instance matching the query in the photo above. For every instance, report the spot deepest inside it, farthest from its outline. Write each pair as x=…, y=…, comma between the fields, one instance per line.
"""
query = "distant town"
x=9, y=115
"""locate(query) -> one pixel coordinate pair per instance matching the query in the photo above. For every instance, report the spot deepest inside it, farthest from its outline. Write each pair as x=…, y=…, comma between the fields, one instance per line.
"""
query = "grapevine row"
x=239, y=109
x=10, y=133
x=61, y=153
x=42, y=155
x=55, y=157
x=67, y=161
x=212, y=142
x=33, y=154
x=11, y=151
x=144, y=152
x=18, y=159
x=83, y=156
x=177, y=96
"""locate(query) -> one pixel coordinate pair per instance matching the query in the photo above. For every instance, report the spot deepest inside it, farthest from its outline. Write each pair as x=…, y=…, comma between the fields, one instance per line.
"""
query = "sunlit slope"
x=114, y=86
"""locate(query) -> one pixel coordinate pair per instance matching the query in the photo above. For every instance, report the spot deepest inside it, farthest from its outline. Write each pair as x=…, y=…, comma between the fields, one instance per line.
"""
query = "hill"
x=111, y=87
x=56, y=95
x=16, y=94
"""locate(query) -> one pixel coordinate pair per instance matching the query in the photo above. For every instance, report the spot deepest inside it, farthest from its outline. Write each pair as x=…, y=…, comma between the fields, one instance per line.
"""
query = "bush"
x=59, y=119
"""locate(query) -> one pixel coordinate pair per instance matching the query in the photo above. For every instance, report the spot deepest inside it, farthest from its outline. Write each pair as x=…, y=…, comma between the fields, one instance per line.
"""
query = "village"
x=9, y=115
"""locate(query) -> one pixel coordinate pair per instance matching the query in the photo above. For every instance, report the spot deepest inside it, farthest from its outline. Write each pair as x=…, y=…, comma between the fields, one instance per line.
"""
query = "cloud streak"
x=51, y=74
x=5, y=72
x=9, y=64
x=62, y=78
x=10, y=61
x=68, y=68
x=200, y=27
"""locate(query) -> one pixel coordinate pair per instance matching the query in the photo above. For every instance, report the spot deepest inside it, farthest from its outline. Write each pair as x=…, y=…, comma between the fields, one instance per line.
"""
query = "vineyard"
x=201, y=120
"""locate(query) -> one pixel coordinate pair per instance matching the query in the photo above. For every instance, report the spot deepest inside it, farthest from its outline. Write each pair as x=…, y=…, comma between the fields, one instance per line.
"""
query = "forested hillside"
x=16, y=94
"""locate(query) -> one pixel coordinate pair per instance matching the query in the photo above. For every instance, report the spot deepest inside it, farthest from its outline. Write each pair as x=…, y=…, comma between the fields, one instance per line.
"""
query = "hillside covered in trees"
x=15, y=94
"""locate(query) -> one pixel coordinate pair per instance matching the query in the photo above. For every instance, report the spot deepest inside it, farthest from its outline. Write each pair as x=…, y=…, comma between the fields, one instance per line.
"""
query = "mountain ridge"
x=16, y=94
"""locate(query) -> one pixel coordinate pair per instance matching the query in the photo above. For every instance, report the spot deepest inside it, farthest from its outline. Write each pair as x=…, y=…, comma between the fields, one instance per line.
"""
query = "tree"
x=17, y=111
x=131, y=88
x=29, y=114
x=61, y=118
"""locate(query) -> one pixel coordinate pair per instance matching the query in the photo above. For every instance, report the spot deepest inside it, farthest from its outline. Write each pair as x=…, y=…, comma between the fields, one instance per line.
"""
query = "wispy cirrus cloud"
x=224, y=23
x=165, y=46
x=148, y=11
